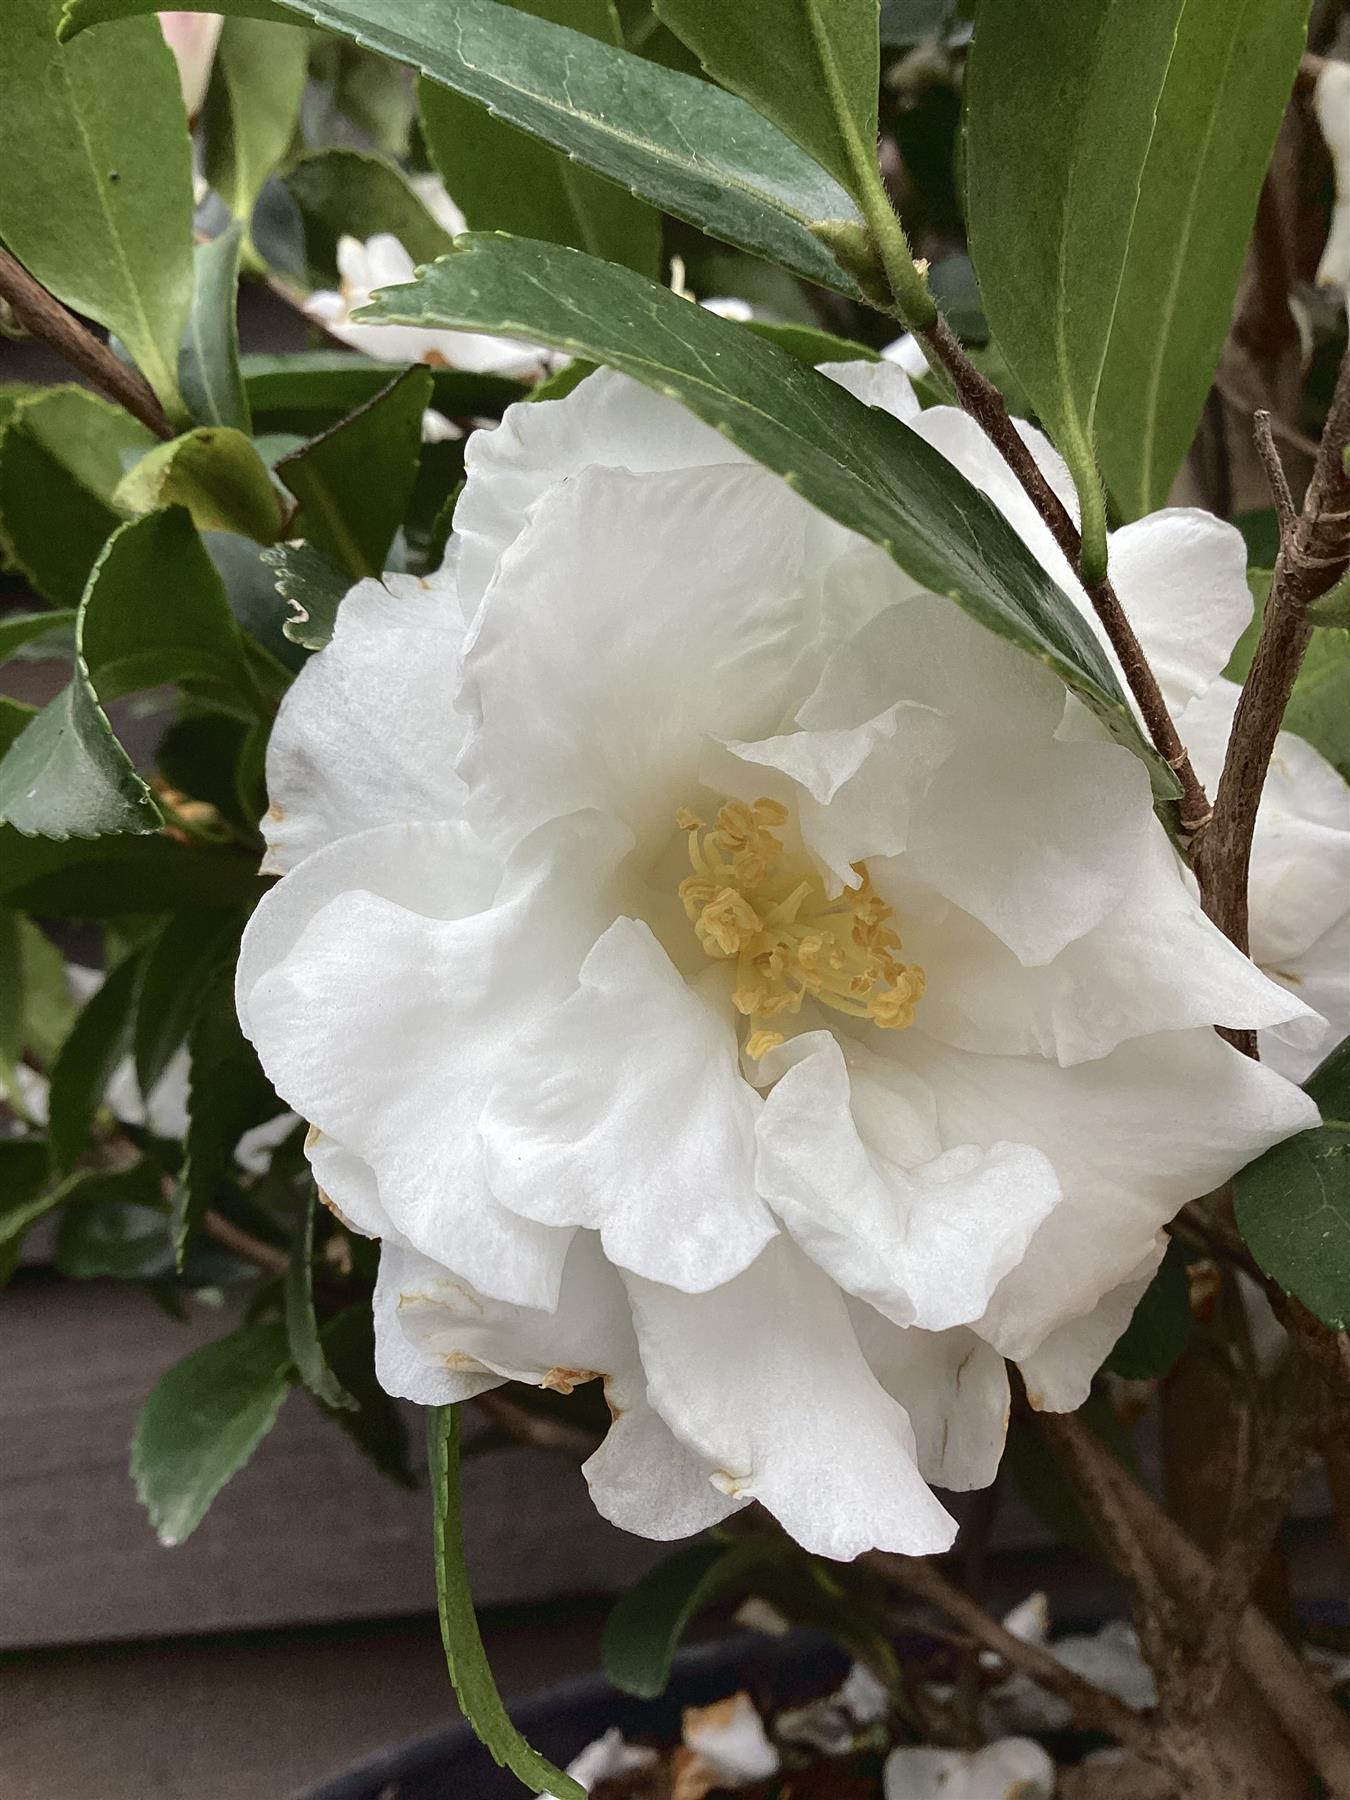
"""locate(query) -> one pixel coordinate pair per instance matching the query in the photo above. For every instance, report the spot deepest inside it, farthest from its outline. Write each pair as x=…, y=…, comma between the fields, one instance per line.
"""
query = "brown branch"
x=533, y=1429
x=1263, y=431
x=1091, y=1706
x=1309, y=1718
x=44, y=316
x=986, y=405
x=244, y=1245
x=1313, y=557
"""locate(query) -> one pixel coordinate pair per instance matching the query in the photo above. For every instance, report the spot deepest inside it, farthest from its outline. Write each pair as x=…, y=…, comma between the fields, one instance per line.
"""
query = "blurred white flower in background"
x=1012, y=1769
x=712, y=964
x=1331, y=103
x=192, y=36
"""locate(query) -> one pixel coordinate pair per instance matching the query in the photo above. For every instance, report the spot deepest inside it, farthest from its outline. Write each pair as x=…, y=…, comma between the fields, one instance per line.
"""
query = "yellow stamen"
x=792, y=939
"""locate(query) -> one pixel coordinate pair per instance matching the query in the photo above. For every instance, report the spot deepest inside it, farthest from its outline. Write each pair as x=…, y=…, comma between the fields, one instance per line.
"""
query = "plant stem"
x=1314, y=555
x=42, y=314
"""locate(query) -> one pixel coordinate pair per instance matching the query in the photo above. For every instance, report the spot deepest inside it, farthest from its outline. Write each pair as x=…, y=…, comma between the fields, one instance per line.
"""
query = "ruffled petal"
x=385, y=1024
x=1058, y=1375
x=1155, y=963
x=1181, y=576
x=848, y=1160
x=954, y=1388
x=1320, y=976
x=599, y=582
x=624, y=1110
x=1132, y=1137
x=368, y=734
x=435, y=1335
x=763, y=1379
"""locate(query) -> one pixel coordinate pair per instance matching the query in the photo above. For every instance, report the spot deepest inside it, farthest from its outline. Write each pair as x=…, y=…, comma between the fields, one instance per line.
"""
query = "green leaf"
x=18, y=629
x=252, y=107
x=309, y=389
x=24, y=1170
x=1222, y=99
x=672, y=139
x=1319, y=707
x=354, y=482
x=114, y=1224
x=313, y=585
x=113, y=876
x=88, y=1059
x=809, y=345
x=645, y=1627
x=376, y=1427
x=353, y=192
x=1061, y=102
x=186, y=951
x=1163, y=1325
x=203, y=1421
x=11, y=989
x=154, y=611
x=208, y=363
x=228, y=1094
x=302, y=1330
x=809, y=65
x=1334, y=606
x=215, y=473
x=96, y=178
x=1293, y=1203
x=470, y=1675
x=61, y=457
x=48, y=1007
x=504, y=181
x=856, y=463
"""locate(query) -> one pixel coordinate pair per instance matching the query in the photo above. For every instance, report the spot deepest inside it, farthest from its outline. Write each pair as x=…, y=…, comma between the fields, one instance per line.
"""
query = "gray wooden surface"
x=308, y=1531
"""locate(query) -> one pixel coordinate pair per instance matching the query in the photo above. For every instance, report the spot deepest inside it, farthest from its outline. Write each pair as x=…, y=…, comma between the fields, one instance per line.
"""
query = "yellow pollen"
x=749, y=900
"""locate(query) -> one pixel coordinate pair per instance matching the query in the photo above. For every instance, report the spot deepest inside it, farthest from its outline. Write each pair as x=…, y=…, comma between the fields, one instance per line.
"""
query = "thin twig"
x=1091, y=1706
x=1264, y=433
x=1314, y=557
x=986, y=405
x=534, y=1430
x=244, y=1245
x=43, y=315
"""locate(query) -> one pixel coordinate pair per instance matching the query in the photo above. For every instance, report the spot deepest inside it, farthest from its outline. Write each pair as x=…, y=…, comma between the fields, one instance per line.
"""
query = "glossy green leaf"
x=307, y=390
x=96, y=178
x=809, y=65
x=313, y=586
x=215, y=472
x=353, y=483
x=809, y=345
x=48, y=1006
x=1163, y=1324
x=11, y=989
x=1293, y=1203
x=854, y=462
x=203, y=1421
x=1061, y=102
x=470, y=1675
x=208, y=364
x=24, y=1171
x=67, y=776
x=1226, y=88
x=353, y=192
x=228, y=1094
x=85, y=1064
x=646, y=1626
x=672, y=139
x=114, y=1224
x=302, y=1330
x=504, y=181
x=18, y=629
x=61, y=457
x=178, y=963
x=113, y=876
x=252, y=107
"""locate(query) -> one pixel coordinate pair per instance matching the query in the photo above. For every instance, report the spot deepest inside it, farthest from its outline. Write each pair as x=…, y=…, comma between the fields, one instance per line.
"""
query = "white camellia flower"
x=714, y=965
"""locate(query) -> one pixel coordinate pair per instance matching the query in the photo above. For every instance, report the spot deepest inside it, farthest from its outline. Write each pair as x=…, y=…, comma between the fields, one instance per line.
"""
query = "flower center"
x=769, y=911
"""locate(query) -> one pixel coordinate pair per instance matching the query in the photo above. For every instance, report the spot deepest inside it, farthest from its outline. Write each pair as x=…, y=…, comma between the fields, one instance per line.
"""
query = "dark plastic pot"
x=452, y=1764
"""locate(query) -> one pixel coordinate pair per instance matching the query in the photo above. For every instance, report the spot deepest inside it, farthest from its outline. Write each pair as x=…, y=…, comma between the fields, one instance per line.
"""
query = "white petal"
x=599, y=662
x=848, y=1163
x=1132, y=1137
x=368, y=734
x=1155, y=963
x=730, y=1738
x=1058, y=1374
x=955, y=1390
x=640, y=1478
x=885, y=384
x=384, y=1024
x=764, y=1381
x=1012, y=1769
x=1320, y=976
x=347, y=1186
x=624, y=1110
x=1181, y=576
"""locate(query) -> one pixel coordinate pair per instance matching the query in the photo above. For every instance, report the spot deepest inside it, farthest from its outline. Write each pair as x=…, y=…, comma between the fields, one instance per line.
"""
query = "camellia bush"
x=725, y=885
